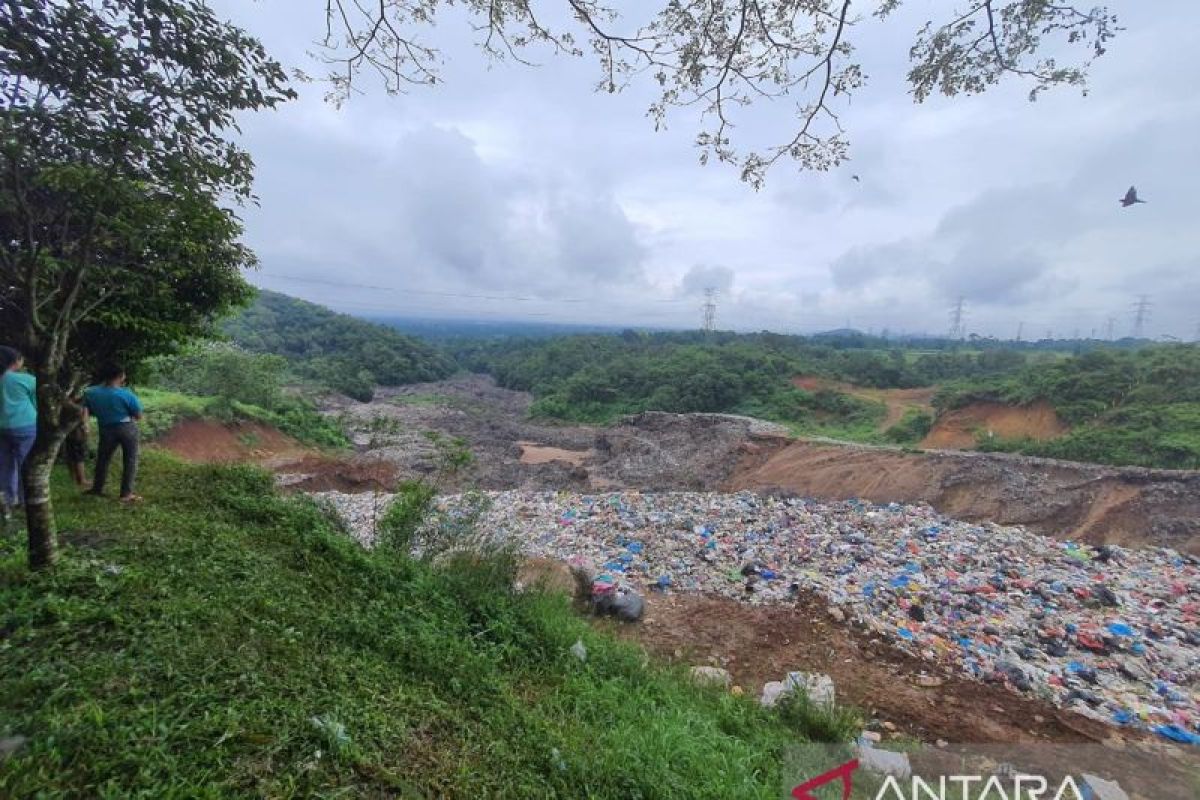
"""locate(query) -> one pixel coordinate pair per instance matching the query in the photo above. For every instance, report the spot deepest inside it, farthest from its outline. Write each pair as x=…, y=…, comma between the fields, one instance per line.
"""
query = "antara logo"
x=845, y=772
x=958, y=787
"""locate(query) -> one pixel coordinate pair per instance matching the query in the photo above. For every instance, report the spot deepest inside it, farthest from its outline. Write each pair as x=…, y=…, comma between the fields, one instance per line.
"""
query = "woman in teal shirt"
x=18, y=425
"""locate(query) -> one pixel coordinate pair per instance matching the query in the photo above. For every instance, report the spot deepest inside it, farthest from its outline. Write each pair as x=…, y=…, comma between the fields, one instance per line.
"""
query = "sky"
x=517, y=192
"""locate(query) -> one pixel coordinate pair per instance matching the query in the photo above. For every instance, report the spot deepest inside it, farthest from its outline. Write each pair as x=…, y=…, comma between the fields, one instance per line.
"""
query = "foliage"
x=721, y=56
x=234, y=384
x=341, y=352
x=1139, y=407
x=292, y=415
x=116, y=242
x=219, y=370
x=913, y=427
x=227, y=642
x=595, y=378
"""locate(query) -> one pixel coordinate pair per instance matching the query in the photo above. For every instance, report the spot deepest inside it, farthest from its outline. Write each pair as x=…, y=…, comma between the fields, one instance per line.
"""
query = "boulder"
x=711, y=676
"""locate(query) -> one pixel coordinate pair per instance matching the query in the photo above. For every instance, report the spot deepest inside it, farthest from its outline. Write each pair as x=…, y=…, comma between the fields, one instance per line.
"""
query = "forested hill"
x=347, y=354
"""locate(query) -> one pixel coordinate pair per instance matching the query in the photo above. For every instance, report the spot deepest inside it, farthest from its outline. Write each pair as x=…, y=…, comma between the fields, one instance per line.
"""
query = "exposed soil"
x=539, y=454
x=898, y=402
x=763, y=643
x=959, y=429
x=899, y=694
x=1086, y=502
x=208, y=441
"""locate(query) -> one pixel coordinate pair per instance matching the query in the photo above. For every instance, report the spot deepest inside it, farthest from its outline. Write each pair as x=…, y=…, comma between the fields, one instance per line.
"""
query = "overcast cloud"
x=511, y=192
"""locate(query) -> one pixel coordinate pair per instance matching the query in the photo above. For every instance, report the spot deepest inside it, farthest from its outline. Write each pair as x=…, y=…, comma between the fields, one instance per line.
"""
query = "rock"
x=1101, y=789
x=929, y=681
x=883, y=762
x=890, y=727
x=711, y=676
x=772, y=692
x=579, y=650
x=817, y=686
x=837, y=614
x=871, y=736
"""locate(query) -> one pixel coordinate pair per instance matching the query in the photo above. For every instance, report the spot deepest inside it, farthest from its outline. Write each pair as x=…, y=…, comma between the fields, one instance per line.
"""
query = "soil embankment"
x=209, y=441
x=961, y=428
x=1086, y=502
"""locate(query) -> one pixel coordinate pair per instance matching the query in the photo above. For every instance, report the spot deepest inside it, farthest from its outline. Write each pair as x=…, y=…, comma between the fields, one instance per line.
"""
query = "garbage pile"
x=1109, y=632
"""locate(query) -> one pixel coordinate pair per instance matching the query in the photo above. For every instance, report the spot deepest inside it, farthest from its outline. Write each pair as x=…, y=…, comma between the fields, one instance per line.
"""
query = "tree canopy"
x=720, y=56
x=117, y=175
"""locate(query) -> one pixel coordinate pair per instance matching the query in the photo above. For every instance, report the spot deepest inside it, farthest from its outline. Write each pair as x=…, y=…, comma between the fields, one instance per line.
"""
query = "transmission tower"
x=1196, y=337
x=1141, y=315
x=957, y=330
x=1110, y=329
x=1020, y=330
x=710, y=310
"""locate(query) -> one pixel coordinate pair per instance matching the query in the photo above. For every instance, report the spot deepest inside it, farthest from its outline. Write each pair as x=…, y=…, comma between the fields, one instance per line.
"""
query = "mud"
x=650, y=451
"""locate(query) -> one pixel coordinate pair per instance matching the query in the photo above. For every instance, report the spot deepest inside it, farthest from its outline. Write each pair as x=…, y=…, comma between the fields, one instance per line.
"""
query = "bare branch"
x=720, y=56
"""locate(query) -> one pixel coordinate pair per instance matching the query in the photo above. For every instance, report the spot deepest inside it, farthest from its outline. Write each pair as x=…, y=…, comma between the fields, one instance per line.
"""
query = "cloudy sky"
x=516, y=192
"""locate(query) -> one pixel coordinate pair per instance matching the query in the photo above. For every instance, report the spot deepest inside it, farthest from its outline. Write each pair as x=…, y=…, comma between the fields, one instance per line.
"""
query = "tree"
x=719, y=56
x=116, y=243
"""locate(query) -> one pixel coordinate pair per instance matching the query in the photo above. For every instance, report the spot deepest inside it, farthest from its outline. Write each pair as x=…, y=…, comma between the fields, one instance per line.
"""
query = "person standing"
x=75, y=446
x=117, y=411
x=18, y=426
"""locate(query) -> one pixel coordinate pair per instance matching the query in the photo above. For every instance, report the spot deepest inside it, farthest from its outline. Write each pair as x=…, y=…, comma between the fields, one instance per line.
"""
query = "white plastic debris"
x=579, y=650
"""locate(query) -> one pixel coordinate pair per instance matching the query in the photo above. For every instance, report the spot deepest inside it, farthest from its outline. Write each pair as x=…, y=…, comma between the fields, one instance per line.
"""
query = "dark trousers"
x=15, y=444
x=124, y=436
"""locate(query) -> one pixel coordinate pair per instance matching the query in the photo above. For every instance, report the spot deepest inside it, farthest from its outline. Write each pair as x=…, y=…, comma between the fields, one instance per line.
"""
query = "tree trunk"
x=39, y=513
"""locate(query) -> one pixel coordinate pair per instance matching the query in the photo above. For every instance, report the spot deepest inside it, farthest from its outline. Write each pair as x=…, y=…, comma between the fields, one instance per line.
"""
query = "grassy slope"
x=182, y=648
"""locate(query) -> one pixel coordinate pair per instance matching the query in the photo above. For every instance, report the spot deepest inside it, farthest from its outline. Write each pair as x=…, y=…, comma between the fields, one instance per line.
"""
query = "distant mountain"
x=342, y=352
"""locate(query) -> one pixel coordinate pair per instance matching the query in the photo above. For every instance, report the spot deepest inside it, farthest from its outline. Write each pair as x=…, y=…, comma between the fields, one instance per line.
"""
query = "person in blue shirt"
x=117, y=411
x=18, y=426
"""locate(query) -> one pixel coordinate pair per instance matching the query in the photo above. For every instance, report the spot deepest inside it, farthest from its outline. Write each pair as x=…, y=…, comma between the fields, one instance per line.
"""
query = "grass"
x=294, y=416
x=221, y=641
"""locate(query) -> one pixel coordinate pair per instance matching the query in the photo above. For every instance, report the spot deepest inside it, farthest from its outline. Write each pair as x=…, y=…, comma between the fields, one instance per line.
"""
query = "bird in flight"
x=856, y=179
x=1131, y=197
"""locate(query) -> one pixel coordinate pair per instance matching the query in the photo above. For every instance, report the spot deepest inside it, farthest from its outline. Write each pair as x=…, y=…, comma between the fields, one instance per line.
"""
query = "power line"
x=1141, y=315
x=710, y=310
x=957, y=330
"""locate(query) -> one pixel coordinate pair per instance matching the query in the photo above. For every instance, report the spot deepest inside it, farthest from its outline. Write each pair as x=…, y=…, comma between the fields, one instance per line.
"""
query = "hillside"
x=1135, y=408
x=342, y=352
x=226, y=642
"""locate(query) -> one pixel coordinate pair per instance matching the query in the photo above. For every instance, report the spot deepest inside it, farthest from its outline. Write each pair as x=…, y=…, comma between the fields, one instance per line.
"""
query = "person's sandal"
x=131, y=498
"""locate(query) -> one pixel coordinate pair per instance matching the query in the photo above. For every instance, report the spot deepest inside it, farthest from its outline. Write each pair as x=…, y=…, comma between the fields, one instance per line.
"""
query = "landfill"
x=1109, y=632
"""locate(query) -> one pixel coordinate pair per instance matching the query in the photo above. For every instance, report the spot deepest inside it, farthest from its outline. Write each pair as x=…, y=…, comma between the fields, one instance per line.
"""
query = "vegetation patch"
x=1137, y=408
x=226, y=642
x=340, y=352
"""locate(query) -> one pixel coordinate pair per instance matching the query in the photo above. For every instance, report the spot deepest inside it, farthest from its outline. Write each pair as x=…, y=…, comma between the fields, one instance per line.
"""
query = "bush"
x=914, y=427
